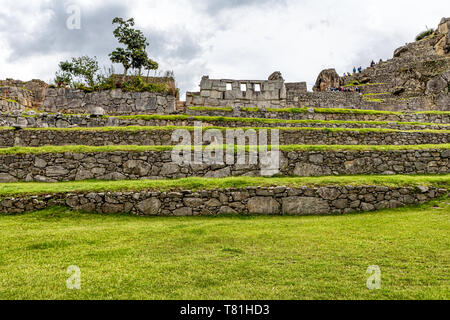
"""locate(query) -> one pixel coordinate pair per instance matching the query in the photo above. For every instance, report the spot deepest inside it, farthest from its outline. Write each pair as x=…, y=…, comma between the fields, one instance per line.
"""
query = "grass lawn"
x=134, y=148
x=192, y=128
x=194, y=183
x=124, y=257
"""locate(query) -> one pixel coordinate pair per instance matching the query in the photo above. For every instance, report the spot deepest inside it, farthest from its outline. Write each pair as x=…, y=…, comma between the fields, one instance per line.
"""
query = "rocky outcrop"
x=328, y=78
x=276, y=76
x=416, y=77
x=442, y=46
x=29, y=94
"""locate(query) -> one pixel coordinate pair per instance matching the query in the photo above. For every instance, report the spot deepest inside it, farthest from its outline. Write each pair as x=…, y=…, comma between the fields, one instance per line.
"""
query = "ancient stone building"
x=272, y=93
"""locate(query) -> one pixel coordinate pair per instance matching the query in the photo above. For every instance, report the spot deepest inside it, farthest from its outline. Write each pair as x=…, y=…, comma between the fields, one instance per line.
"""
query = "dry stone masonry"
x=251, y=200
x=437, y=118
x=122, y=165
x=86, y=121
x=150, y=136
x=112, y=102
x=272, y=93
x=417, y=78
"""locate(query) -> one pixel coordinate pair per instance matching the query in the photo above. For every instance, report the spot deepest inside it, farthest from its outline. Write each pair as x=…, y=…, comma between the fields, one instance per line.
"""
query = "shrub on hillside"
x=424, y=34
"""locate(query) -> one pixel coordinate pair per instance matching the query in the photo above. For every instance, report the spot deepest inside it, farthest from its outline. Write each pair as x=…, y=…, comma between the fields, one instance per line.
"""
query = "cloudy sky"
x=237, y=39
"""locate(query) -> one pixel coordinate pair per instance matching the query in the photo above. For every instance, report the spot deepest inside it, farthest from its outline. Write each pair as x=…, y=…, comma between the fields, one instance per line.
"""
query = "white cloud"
x=233, y=39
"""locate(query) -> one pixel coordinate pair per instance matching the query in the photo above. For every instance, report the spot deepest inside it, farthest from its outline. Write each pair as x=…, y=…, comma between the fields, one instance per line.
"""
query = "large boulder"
x=263, y=205
x=96, y=111
x=276, y=76
x=149, y=206
x=439, y=84
x=444, y=26
x=305, y=205
x=328, y=78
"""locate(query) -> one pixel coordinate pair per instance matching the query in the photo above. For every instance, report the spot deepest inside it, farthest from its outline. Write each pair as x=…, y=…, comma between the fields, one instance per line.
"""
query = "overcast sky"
x=237, y=39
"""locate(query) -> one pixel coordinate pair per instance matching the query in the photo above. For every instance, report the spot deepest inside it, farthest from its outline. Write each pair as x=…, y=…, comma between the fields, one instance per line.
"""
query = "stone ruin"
x=416, y=78
x=271, y=93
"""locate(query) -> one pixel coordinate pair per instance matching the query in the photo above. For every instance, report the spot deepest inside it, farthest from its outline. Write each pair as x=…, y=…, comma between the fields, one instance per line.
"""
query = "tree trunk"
x=124, y=75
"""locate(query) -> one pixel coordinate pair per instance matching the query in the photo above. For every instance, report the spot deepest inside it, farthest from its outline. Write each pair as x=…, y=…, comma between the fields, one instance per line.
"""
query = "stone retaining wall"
x=250, y=200
x=9, y=106
x=30, y=94
x=113, y=102
x=122, y=165
x=85, y=121
x=412, y=117
x=37, y=138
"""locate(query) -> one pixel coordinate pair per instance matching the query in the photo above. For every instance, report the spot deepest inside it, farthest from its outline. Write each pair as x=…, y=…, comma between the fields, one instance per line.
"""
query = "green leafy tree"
x=86, y=68
x=65, y=74
x=151, y=65
x=83, y=69
x=134, y=55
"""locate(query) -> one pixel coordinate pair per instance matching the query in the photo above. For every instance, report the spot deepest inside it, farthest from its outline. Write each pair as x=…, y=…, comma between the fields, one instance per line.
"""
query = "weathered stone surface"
x=158, y=165
x=222, y=173
x=436, y=85
x=109, y=208
x=149, y=206
x=308, y=170
x=169, y=169
x=305, y=205
x=263, y=205
x=275, y=76
x=303, y=200
x=183, y=212
x=227, y=210
x=5, y=177
x=329, y=193
x=328, y=78
x=55, y=171
x=96, y=111
x=112, y=102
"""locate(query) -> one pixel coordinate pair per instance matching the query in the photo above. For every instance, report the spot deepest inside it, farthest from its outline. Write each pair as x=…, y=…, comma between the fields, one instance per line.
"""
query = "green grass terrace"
x=193, y=184
x=134, y=148
x=320, y=110
x=325, y=257
x=192, y=128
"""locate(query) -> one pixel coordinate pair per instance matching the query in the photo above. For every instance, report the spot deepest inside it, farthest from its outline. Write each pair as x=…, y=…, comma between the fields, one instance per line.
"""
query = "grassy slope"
x=21, y=188
x=125, y=257
x=132, y=148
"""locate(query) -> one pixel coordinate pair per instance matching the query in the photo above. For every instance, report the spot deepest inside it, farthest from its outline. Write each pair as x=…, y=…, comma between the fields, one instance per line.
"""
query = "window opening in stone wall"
x=243, y=87
x=257, y=87
x=229, y=87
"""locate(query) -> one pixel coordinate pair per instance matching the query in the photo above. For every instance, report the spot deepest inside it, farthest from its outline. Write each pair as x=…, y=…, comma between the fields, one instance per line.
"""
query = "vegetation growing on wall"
x=84, y=72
